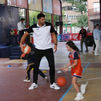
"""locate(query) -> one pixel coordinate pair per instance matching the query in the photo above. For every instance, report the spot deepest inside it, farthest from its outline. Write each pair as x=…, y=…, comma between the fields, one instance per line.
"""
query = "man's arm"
x=23, y=39
x=55, y=41
x=79, y=34
x=54, y=37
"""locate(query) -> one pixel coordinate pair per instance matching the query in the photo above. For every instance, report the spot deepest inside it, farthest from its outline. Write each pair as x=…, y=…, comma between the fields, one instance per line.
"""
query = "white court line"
x=90, y=79
x=94, y=78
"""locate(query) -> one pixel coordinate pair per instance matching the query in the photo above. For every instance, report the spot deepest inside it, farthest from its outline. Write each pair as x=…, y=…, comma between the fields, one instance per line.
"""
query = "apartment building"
x=70, y=14
x=93, y=13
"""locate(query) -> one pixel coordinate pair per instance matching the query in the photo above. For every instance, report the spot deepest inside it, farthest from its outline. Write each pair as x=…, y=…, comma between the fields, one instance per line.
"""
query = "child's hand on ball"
x=65, y=69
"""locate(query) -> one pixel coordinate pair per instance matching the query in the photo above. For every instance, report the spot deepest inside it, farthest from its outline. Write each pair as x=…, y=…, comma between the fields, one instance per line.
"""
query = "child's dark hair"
x=40, y=15
x=72, y=45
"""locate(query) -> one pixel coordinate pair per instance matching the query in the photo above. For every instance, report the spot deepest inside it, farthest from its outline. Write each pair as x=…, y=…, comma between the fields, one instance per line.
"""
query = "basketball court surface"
x=12, y=74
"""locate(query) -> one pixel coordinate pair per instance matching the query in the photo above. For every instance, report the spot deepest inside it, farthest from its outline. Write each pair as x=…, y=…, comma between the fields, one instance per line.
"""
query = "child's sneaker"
x=78, y=97
x=54, y=86
x=83, y=88
x=27, y=80
x=34, y=85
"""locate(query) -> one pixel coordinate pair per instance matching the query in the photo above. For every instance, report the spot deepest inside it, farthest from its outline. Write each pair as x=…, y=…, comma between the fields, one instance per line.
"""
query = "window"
x=96, y=7
x=67, y=8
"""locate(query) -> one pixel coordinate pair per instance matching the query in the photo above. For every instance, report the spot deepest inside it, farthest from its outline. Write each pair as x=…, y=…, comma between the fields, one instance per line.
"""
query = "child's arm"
x=69, y=66
x=66, y=67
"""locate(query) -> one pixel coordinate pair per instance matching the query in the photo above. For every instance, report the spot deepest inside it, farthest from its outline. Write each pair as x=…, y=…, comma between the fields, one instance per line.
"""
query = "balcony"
x=94, y=14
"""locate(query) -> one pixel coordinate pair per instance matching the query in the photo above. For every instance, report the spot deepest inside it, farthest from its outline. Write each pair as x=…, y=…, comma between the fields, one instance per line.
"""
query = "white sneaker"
x=34, y=85
x=83, y=88
x=27, y=80
x=54, y=86
x=96, y=54
x=78, y=97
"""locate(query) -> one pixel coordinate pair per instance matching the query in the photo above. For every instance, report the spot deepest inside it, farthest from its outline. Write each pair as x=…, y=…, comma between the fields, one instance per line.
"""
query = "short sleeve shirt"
x=42, y=35
x=75, y=55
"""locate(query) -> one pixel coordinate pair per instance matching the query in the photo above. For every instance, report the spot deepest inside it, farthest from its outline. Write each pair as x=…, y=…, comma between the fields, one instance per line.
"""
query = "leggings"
x=31, y=65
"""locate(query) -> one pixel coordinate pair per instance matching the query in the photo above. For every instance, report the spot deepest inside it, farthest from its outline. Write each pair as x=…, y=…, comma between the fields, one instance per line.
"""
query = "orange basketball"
x=26, y=49
x=61, y=81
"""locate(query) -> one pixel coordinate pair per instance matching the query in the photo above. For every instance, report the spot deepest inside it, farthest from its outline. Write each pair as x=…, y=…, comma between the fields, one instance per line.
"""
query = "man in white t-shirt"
x=21, y=27
x=42, y=32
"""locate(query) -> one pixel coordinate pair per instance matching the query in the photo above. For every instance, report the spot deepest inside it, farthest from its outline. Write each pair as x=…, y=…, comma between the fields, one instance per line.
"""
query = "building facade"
x=70, y=15
x=93, y=13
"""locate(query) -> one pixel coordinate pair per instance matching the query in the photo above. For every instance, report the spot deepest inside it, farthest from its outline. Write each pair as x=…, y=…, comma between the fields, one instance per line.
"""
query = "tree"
x=80, y=4
x=75, y=1
x=32, y=17
x=81, y=21
x=81, y=7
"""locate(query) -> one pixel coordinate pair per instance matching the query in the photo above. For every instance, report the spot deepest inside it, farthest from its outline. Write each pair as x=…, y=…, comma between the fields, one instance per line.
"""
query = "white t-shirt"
x=20, y=26
x=42, y=35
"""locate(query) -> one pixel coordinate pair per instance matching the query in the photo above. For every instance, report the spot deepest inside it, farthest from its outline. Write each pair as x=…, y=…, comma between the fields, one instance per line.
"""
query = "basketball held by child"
x=26, y=49
x=61, y=81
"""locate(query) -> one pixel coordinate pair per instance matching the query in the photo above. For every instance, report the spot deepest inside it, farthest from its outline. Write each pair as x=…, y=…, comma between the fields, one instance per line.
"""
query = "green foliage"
x=74, y=24
x=32, y=17
x=81, y=7
x=82, y=21
x=80, y=4
x=75, y=0
x=56, y=18
x=48, y=17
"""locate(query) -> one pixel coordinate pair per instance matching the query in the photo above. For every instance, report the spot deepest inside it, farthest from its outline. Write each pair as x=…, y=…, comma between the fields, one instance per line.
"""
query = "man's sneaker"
x=54, y=86
x=78, y=97
x=34, y=85
x=83, y=88
x=27, y=80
